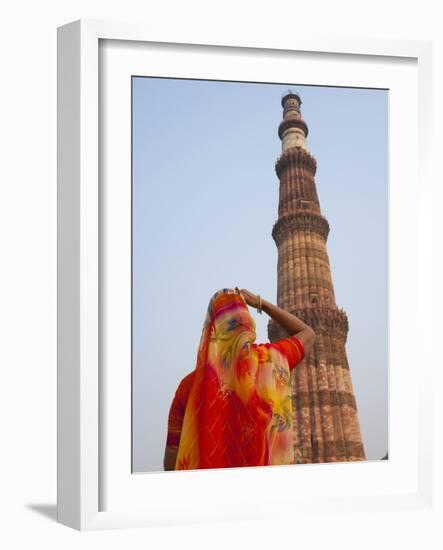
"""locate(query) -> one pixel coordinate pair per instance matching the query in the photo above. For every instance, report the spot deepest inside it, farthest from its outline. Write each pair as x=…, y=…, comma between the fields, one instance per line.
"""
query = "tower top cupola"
x=290, y=94
x=292, y=130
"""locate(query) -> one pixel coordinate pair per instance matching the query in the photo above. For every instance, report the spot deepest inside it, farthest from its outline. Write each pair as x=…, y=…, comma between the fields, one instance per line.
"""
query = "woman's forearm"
x=288, y=321
x=291, y=323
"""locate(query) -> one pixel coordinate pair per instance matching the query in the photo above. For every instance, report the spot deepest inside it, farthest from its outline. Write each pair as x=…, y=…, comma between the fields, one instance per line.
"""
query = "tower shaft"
x=326, y=425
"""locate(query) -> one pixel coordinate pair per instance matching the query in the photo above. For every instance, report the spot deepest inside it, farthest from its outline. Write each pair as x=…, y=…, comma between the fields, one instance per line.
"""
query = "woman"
x=235, y=408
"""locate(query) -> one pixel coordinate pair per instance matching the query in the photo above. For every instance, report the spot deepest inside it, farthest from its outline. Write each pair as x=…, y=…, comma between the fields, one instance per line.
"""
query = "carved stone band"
x=332, y=451
x=331, y=398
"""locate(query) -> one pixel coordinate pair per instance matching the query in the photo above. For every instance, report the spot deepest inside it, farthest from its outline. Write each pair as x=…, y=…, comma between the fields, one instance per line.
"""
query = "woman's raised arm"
x=291, y=323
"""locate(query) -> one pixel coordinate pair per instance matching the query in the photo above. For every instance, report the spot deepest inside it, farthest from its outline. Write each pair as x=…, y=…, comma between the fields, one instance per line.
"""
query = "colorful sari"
x=235, y=408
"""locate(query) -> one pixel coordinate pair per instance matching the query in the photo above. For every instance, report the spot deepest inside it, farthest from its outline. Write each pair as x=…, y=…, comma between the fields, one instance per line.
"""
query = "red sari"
x=235, y=408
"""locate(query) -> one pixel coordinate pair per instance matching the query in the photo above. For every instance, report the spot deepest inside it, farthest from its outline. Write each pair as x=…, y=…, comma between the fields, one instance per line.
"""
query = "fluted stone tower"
x=326, y=425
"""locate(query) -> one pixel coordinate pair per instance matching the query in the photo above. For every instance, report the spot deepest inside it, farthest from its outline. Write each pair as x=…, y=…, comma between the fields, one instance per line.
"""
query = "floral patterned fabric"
x=235, y=408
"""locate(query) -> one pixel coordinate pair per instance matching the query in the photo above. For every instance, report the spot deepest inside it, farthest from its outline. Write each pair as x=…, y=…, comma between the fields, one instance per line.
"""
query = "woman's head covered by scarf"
x=227, y=331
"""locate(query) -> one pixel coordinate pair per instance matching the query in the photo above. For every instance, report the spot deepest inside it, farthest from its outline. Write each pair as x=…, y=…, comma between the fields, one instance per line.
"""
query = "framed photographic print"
x=239, y=227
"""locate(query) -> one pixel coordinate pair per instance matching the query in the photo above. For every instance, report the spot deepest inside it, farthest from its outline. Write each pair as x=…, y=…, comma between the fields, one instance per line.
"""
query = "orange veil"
x=239, y=410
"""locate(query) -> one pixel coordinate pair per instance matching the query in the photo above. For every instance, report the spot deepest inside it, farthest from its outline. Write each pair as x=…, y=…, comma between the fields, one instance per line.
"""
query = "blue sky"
x=205, y=198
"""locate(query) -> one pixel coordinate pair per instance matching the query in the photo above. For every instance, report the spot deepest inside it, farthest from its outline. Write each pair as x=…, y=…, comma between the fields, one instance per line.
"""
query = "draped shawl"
x=239, y=407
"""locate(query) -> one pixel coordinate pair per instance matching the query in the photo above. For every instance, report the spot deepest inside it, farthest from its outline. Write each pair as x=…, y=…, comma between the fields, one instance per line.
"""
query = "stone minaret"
x=326, y=422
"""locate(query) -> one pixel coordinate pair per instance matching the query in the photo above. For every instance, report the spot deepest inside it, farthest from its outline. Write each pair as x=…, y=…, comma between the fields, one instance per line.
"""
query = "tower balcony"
x=322, y=320
x=300, y=221
x=298, y=157
x=292, y=122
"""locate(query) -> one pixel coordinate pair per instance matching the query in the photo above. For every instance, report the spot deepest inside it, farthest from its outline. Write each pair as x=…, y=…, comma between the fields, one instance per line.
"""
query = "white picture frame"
x=83, y=443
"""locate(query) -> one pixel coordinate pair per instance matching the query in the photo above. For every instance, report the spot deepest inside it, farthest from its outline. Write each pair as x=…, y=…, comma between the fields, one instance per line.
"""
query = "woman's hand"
x=251, y=299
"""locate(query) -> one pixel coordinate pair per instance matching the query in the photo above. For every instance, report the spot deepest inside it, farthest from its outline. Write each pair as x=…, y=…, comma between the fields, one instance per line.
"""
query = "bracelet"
x=259, y=304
